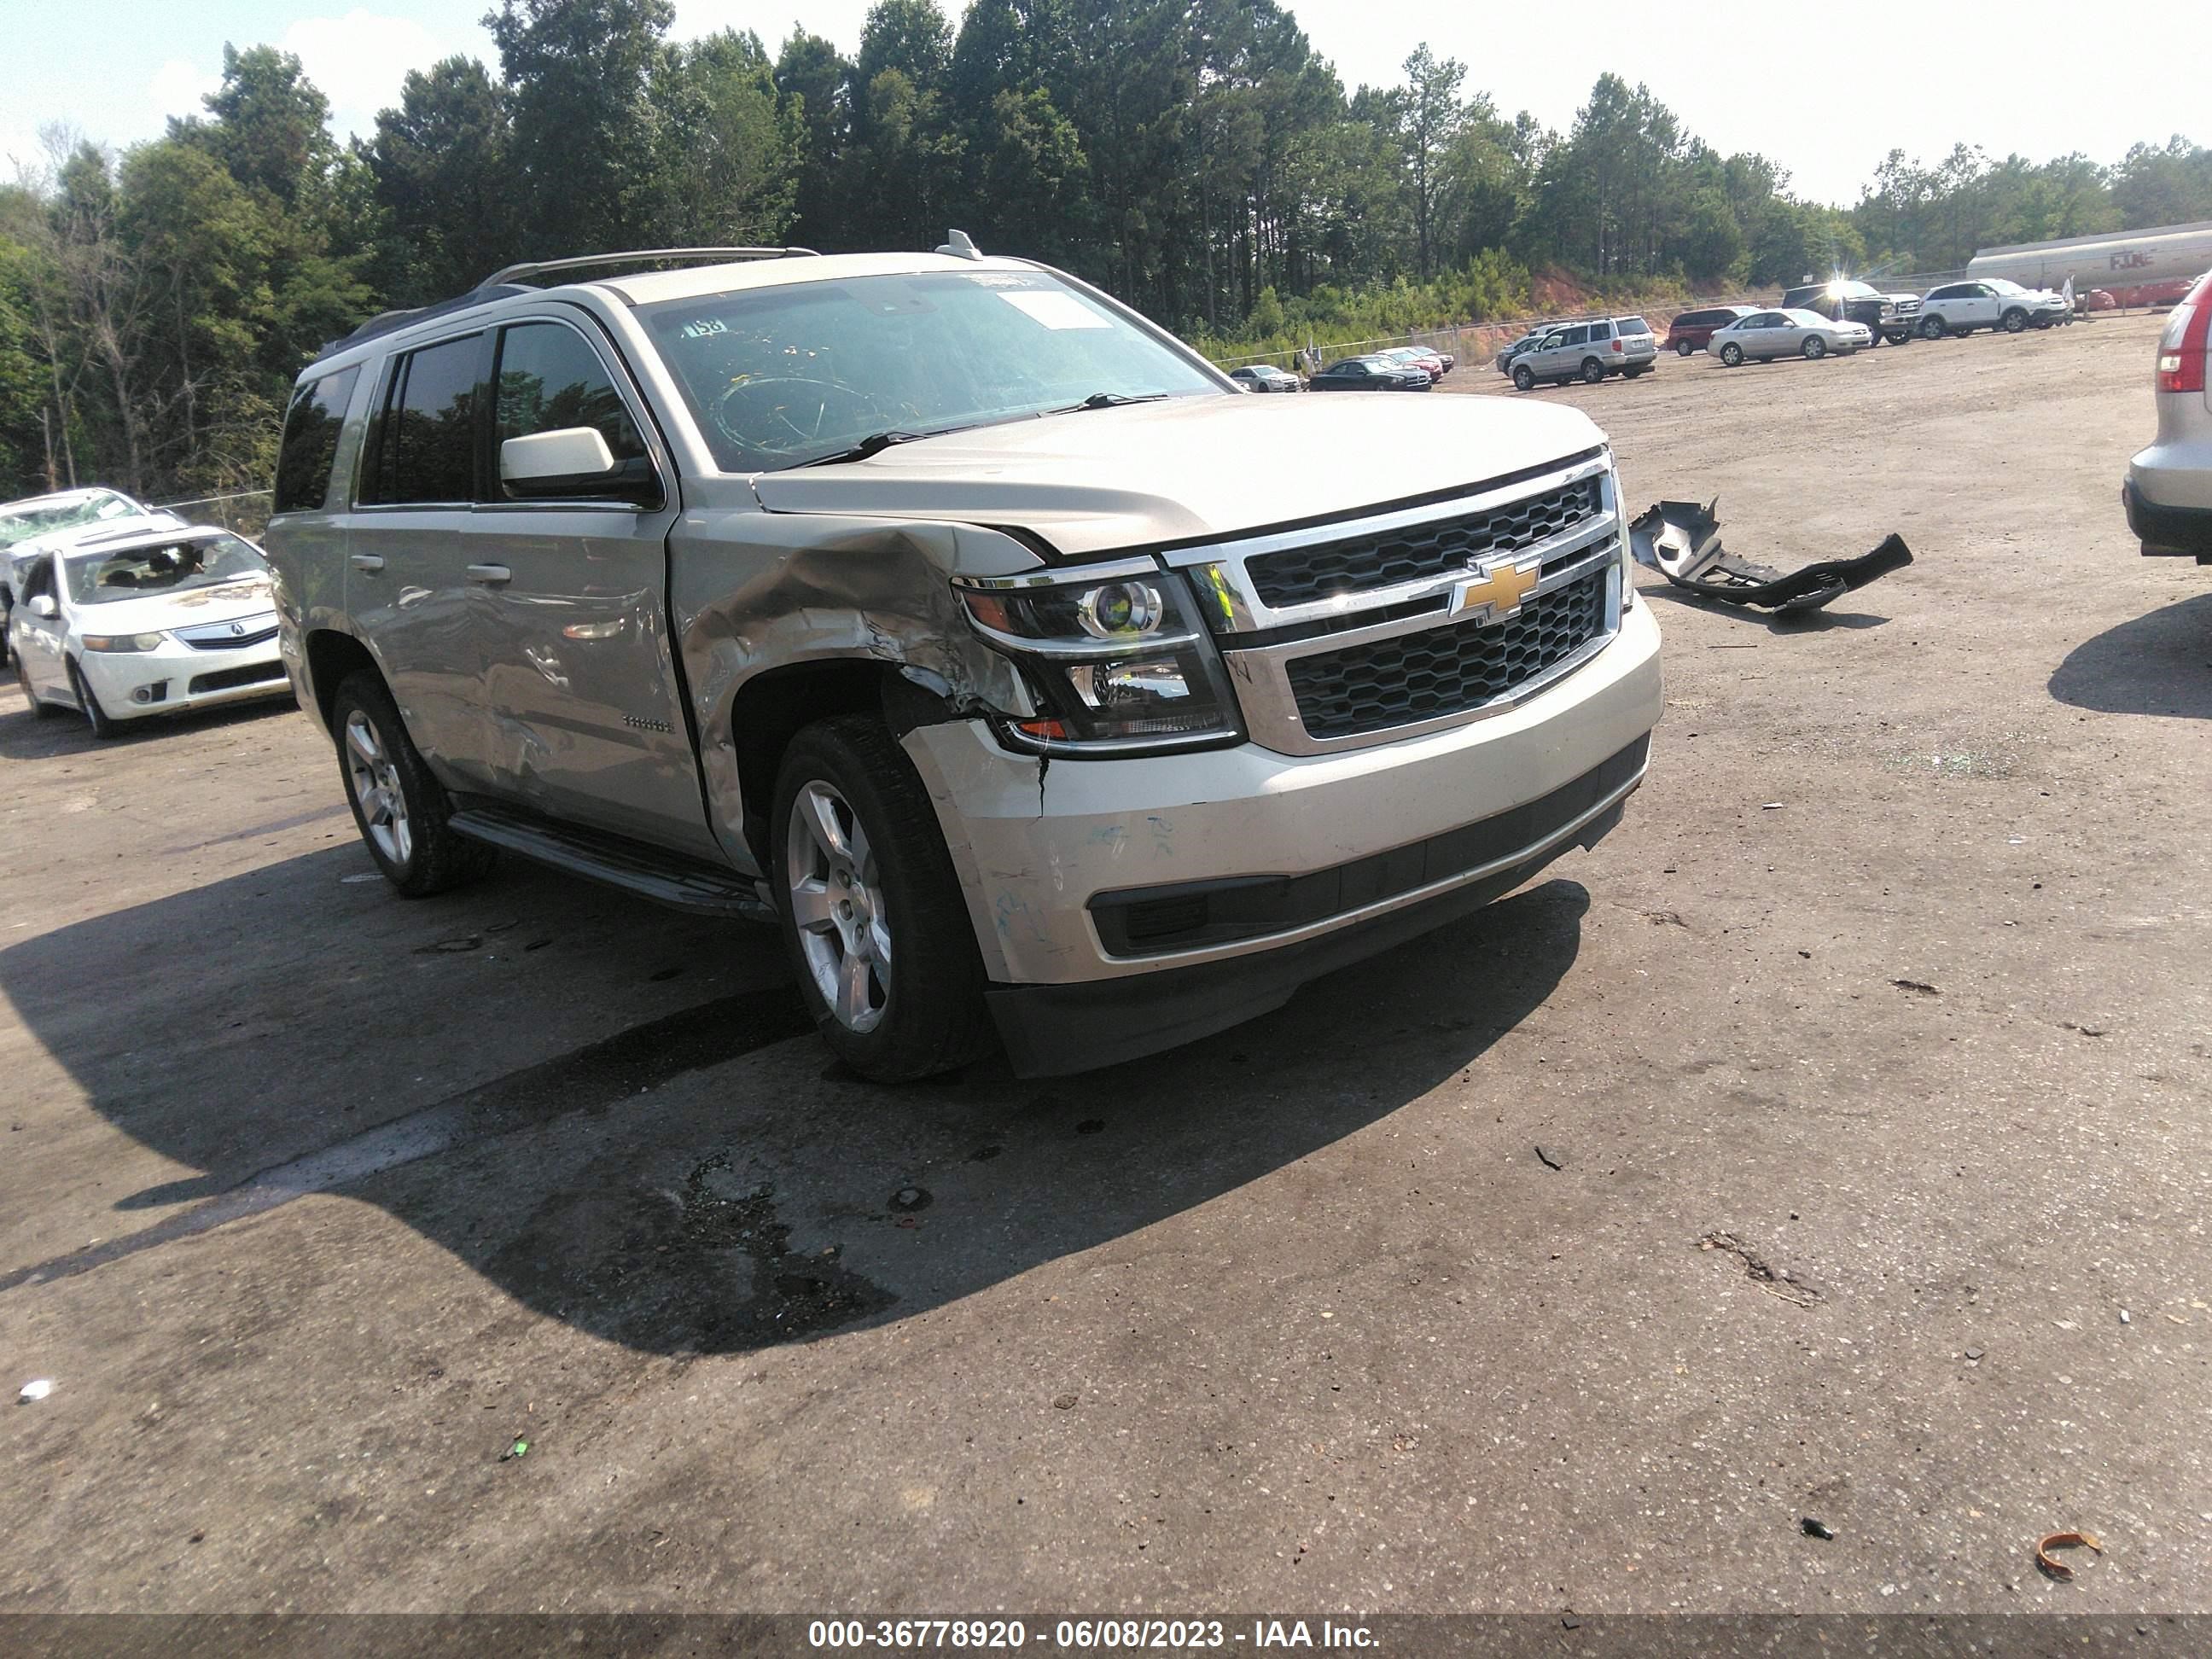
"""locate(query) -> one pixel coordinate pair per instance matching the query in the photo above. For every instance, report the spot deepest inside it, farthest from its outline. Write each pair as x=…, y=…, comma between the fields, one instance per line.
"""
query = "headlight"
x=122, y=642
x=1116, y=666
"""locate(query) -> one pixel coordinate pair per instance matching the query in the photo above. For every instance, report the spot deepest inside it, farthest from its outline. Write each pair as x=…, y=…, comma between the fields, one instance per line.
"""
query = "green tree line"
x=1195, y=157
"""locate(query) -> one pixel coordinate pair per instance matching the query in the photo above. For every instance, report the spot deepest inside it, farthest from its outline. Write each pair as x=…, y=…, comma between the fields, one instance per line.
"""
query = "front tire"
x=95, y=716
x=870, y=909
x=1683, y=348
x=1524, y=377
x=401, y=810
x=1815, y=348
x=1732, y=355
x=2015, y=321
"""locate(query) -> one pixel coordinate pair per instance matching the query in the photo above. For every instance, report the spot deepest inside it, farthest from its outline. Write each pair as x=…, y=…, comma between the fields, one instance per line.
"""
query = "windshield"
x=2005, y=287
x=21, y=523
x=172, y=567
x=782, y=376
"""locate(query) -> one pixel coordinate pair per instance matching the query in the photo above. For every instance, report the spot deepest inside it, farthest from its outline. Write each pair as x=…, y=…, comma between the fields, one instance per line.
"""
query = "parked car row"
x=1401, y=368
x=1953, y=309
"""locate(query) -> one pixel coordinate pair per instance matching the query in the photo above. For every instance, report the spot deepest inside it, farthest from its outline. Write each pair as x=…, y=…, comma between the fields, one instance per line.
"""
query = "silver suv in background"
x=1588, y=352
x=1045, y=687
x=2168, y=491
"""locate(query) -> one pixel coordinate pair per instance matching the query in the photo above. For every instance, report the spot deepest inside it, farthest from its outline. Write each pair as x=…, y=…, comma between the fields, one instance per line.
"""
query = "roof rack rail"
x=642, y=256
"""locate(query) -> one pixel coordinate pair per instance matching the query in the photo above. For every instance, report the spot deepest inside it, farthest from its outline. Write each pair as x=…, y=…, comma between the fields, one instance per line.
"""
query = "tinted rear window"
x=1634, y=326
x=311, y=441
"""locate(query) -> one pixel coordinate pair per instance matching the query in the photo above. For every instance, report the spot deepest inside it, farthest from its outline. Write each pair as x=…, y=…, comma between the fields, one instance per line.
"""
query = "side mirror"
x=43, y=604
x=573, y=463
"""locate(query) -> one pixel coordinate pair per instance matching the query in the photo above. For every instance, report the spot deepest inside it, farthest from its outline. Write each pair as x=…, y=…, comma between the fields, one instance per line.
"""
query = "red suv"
x=1694, y=330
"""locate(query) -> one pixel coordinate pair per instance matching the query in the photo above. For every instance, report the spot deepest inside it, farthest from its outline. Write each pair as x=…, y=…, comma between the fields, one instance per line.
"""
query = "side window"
x=551, y=379
x=426, y=443
x=311, y=441
x=39, y=578
x=1600, y=331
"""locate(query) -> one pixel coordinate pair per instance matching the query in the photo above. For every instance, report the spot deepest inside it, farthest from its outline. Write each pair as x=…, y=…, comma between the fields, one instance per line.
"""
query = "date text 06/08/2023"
x=1105, y=1634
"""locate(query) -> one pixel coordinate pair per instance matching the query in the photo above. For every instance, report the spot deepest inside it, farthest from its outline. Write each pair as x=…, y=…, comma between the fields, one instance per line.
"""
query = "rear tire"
x=1732, y=355
x=871, y=908
x=1593, y=371
x=400, y=810
x=1524, y=377
x=88, y=704
x=1931, y=328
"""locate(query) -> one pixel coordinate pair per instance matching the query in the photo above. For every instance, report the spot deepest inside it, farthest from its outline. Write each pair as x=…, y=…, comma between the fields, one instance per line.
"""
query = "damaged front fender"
x=751, y=592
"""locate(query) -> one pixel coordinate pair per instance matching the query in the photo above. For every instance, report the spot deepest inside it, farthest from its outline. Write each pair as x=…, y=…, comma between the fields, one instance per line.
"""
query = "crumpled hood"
x=1192, y=467
x=246, y=596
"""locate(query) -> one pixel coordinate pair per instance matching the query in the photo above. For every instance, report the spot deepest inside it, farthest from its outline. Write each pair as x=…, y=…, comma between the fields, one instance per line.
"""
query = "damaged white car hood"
x=1142, y=474
x=229, y=601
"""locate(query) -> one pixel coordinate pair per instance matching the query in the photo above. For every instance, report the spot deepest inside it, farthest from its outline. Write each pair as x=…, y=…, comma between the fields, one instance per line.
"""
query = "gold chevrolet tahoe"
x=1045, y=687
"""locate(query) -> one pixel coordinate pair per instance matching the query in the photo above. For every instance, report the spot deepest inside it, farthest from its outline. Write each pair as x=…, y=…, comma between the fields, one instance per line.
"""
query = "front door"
x=36, y=640
x=568, y=599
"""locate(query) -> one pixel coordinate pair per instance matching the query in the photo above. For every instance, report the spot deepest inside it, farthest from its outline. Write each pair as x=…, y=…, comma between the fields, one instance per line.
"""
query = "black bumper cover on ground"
x=1053, y=1029
x=2168, y=532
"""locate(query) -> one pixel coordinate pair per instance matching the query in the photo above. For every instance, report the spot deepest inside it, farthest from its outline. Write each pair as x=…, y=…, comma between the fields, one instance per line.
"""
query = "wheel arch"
x=328, y=655
x=772, y=708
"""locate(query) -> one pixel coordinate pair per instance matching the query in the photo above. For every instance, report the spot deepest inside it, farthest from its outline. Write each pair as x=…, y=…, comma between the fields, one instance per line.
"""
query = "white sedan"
x=145, y=621
x=1766, y=335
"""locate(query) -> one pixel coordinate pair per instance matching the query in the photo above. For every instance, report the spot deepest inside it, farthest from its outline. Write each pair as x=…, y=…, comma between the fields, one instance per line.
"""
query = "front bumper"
x=1036, y=844
x=177, y=677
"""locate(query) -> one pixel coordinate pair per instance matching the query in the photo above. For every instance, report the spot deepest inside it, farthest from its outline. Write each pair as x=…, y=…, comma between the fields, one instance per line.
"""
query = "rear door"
x=568, y=599
x=406, y=548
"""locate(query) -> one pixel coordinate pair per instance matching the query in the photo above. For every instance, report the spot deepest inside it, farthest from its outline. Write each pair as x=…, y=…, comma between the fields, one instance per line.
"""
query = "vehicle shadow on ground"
x=705, y=1179
x=26, y=736
x=1816, y=621
x=2161, y=663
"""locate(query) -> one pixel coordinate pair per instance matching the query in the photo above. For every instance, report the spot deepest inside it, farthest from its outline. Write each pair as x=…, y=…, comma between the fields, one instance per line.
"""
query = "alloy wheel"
x=837, y=906
x=376, y=789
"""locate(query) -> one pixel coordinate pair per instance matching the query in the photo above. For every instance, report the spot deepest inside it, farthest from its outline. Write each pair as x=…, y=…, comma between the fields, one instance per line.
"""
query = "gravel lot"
x=314, y=1200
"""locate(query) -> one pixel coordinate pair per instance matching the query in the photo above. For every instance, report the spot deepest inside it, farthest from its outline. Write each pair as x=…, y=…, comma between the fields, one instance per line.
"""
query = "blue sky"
x=1826, y=101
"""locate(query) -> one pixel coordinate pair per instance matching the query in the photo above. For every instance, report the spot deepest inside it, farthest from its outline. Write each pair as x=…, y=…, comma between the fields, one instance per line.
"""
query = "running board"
x=668, y=878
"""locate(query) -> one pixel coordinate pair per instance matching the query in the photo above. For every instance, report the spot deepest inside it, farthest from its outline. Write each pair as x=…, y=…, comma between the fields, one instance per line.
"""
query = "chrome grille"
x=1302, y=576
x=234, y=635
x=1446, y=670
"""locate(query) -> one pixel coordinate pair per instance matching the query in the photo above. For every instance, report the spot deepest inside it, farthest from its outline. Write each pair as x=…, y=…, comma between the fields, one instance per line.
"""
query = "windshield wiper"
x=874, y=444
x=1109, y=400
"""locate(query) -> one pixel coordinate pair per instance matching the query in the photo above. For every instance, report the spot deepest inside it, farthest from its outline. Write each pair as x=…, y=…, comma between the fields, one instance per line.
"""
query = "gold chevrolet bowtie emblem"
x=1497, y=587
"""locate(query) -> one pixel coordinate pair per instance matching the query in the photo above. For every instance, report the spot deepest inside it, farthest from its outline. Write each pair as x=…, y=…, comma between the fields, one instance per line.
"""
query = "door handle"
x=367, y=563
x=489, y=573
